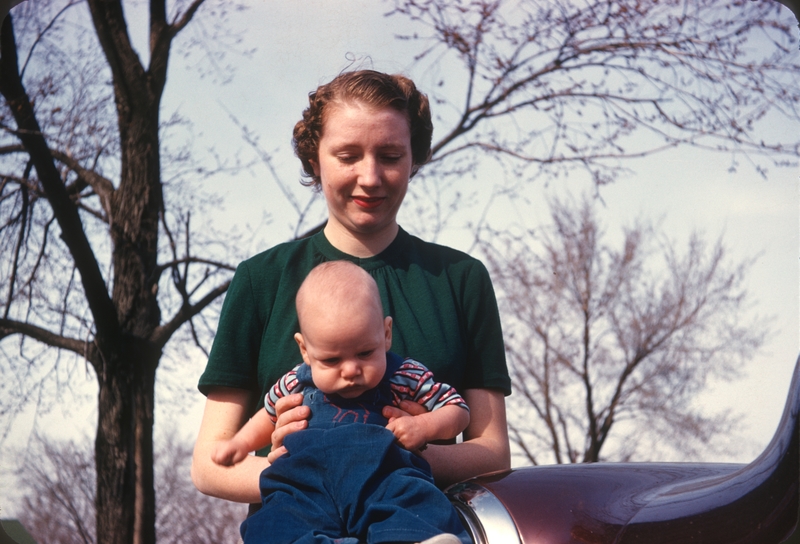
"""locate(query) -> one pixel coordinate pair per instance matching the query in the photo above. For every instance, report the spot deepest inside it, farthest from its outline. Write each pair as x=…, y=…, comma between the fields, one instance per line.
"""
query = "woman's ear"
x=387, y=326
x=315, y=165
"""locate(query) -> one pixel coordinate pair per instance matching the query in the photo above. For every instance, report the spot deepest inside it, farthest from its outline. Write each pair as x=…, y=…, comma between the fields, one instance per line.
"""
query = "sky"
x=299, y=44
x=686, y=189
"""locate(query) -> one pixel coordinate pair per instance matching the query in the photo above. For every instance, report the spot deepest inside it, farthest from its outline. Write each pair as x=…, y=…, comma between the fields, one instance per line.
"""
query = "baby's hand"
x=227, y=453
x=409, y=432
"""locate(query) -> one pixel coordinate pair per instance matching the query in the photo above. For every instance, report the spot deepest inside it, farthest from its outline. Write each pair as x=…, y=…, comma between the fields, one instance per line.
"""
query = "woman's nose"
x=370, y=173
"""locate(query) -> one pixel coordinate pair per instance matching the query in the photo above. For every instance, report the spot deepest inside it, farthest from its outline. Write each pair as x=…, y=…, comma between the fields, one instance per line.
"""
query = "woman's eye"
x=391, y=158
x=347, y=158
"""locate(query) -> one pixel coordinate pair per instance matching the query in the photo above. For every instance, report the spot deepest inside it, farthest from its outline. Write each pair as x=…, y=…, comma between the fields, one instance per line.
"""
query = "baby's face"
x=346, y=349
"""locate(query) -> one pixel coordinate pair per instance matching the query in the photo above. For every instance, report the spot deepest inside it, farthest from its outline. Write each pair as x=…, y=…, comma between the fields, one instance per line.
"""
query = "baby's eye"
x=365, y=354
x=333, y=361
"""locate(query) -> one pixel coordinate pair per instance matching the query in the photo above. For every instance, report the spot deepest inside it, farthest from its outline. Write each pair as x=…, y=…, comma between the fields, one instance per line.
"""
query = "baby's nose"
x=350, y=369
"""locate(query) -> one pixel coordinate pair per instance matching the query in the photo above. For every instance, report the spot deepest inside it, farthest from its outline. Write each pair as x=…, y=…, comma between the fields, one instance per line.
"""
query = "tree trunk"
x=134, y=219
x=145, y=515
x=127, y=391
x=114, y=460
x=124, y=352
x=124, y=446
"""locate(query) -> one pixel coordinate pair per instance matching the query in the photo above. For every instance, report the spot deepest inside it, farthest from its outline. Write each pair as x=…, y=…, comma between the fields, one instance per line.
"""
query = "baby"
x=342, y=481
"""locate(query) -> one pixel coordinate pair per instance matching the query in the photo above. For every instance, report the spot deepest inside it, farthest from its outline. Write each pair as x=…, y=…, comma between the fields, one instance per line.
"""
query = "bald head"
x=343, y=334
x=334, y=285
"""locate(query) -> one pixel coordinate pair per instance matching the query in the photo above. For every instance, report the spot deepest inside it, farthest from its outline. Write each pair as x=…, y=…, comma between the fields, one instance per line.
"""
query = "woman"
x=361, y=139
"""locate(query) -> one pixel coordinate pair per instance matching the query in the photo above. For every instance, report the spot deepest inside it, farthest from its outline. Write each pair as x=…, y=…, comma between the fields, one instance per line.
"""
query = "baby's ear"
x=302, y=345
x=387, y=326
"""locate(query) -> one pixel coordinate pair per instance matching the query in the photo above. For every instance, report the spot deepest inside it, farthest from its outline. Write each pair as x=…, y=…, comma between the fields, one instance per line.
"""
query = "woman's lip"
x=368, y=201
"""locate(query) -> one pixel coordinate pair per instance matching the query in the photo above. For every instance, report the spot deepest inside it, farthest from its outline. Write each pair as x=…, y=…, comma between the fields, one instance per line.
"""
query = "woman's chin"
x=371, y=224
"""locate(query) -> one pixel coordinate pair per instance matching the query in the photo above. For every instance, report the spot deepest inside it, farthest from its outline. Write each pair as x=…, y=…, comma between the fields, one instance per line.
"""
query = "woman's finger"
x=275, y=453
x=287, y=403
x=407, y=408
x=413, y=408
x=289, y=427
x=392, y=412
x=291, y=418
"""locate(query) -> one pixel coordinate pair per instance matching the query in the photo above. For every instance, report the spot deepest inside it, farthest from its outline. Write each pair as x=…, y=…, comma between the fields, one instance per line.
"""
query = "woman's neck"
x=361, y=245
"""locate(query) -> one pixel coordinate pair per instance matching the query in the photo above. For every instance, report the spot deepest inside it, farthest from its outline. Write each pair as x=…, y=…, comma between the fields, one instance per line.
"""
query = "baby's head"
x=343, y=335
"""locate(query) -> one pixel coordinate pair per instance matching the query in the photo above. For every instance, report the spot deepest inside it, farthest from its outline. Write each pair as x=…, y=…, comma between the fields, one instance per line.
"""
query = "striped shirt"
x=412, y=381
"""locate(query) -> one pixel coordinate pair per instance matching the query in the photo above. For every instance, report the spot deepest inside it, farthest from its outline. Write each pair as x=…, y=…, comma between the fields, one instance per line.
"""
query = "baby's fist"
x=408, y=432
x=226, y=454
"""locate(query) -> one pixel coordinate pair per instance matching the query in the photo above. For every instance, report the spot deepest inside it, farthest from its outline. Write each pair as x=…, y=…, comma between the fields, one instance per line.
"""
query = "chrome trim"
x=484, y=515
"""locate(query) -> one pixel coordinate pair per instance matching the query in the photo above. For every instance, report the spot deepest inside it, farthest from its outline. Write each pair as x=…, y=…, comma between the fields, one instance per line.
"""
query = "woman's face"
x=364, y=165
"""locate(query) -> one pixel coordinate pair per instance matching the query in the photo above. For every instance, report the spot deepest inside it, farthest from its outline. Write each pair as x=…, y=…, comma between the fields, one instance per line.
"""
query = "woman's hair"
x=370, y=88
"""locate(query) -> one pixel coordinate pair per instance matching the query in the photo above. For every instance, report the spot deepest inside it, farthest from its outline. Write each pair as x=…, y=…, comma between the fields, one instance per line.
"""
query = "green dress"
x=441, y=301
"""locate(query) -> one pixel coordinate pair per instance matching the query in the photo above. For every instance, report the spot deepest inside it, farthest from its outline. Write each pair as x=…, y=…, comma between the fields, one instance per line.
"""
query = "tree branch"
x=162, y=334
x=9, y=327
x=182, y=20
x=66, y=213
x=126, y=68
x=161, y=36
x=102, y=186
x=190, y=260
x=9, y=149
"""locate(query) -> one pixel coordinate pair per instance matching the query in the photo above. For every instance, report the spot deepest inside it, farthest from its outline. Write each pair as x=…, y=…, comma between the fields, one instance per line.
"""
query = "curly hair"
x=371, y=88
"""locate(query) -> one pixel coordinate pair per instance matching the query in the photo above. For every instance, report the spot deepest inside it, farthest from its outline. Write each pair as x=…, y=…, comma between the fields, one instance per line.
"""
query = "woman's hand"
x=409, y=435
x=485, y=447
x=292, y=417
x=414, y=432
x=407, y=408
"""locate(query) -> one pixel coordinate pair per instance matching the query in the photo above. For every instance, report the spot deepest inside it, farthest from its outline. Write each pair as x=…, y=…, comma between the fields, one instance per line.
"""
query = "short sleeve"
x=234, y=353
x=287, y=385
x=414, y=381
x=485, y=349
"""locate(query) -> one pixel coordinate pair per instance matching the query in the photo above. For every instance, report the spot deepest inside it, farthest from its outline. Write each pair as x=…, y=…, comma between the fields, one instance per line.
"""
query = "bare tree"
x=101, y=263
x=58, y=504
x=561, y=87
x=609, y=345
x=95, y=250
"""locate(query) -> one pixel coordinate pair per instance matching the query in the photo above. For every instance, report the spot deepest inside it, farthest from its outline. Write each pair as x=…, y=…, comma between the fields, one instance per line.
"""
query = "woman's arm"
x=226, y=411
x=485, y=447
x=253, y=436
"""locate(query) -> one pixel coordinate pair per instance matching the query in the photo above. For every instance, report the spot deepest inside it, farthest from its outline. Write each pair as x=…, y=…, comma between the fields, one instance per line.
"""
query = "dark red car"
x=647, y=503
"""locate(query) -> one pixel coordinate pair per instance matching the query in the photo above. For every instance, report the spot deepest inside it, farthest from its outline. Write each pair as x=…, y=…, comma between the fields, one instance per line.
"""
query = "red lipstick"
x=368, y=202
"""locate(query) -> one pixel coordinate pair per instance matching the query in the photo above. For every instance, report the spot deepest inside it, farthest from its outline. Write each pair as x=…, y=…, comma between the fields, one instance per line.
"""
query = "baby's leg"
x=296, y=507
x=385, y=493
x=408, y=506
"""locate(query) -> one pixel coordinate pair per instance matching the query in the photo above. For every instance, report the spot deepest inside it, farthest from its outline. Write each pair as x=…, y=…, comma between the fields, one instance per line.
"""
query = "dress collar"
x=397, y=246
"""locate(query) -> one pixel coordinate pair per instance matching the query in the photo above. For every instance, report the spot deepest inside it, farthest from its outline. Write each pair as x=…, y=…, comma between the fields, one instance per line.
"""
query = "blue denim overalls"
x=348, y=483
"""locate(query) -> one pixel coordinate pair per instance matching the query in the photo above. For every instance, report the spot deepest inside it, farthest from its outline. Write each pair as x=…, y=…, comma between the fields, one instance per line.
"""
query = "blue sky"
x=301, y=44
